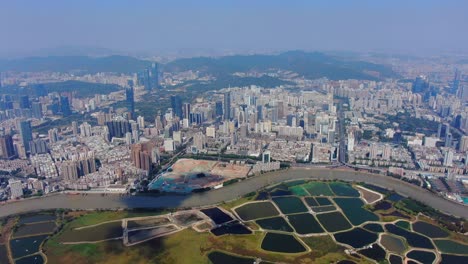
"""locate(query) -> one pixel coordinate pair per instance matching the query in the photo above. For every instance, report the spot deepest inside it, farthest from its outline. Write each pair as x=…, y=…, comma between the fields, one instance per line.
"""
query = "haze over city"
x=233, y=132
x=155, y=27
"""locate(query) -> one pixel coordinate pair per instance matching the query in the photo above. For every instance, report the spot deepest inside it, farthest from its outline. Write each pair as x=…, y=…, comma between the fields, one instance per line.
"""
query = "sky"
x=402, y=26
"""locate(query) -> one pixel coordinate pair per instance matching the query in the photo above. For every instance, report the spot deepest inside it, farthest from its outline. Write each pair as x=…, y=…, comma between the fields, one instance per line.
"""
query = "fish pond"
x=343, y=189
x=21, y=247
x=429, y=230
x=377, y=228
x=421, y=256
x=290, y=204
x=35, y=229
x=354, y=211
x=393, y=243
x=305, y=224
x=256, y=210
x=282, y=243
x=233, y=228
x=275, y=223
x=318, y=189
x=374, y=252
x=334, y=222
x=36, y=218
x=350, y=237
x=413, y=239
x=217, y=215
x=33, y=259
x=451, y=247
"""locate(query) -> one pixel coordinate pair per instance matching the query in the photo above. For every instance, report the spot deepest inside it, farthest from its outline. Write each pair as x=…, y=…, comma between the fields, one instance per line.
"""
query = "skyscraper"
x=24, y=101
x=25, y=133
x=147, y=80
x=65, y=106
x=186, y=110
x=130, y=98
x=141, y=156
x=420, y=84
x=227, y=106
x=455, y=82
x=219, y=109
x=176, y=104
x=154, y=76
x=36, y=110
x=7, y=150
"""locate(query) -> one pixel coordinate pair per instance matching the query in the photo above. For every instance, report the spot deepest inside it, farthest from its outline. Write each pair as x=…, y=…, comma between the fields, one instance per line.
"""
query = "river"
x=114, y=201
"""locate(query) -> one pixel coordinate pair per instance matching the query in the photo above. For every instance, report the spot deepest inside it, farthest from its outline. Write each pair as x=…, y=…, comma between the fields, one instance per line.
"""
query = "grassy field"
x=101, y=217
x=186, y=246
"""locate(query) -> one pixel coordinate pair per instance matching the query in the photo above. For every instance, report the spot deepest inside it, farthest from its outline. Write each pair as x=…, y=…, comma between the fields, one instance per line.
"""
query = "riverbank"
x=230, y=192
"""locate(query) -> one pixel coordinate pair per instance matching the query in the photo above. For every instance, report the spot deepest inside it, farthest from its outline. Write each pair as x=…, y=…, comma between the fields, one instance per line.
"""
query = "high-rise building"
x=448, y=158
x=74, y=128
x=154, y=76
x=65, y=106
x=420, y=84
x=455, y=82
x=7, y=150
x=130, y=98
x=147, y=80
x=176, y=104
x=140, y=122
x=186, y=110
x=373, y=151
x=227, y=106
x=118, y=128
x=53, y=135
x=219, y=109
x=36, y=110
x=25, y=133
x=85, y=130
x=463, y=144
x=350, y=141
x=24, y=101
x=38, y=146
x=141, y=156
x=387, y=152
x=266, y=156
x=259, y=113
x=69, y=170
x=199, y=141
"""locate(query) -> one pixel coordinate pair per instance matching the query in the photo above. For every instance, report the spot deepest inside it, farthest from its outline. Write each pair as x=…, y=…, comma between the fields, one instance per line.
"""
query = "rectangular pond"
x=256, y=210
x=217, y=215
x=354, y=211
x=21, y=247
x=334, y=221
x=290, y=204
x=318, y=189
x=305, y=224
x=35, y=229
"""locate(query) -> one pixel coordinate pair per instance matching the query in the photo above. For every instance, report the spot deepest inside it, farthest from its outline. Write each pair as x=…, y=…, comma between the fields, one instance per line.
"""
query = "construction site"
x=187, y=175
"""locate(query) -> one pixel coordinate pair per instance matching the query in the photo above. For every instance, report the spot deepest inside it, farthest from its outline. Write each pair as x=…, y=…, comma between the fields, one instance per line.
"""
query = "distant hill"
x=311, y=65
x=77, y=64
x=81, y=89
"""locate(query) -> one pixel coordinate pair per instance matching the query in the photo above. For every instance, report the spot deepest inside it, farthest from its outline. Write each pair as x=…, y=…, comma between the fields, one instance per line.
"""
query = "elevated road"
x=95, y=201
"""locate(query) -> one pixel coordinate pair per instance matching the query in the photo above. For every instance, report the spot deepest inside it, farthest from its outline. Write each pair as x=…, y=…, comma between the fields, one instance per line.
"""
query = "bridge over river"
x=230, y=192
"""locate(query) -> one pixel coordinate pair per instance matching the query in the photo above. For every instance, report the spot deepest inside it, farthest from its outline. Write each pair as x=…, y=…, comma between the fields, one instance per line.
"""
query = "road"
x=230, y=192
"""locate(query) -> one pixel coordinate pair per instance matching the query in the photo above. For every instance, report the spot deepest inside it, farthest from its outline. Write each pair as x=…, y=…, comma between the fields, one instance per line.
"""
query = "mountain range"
x=311, y=65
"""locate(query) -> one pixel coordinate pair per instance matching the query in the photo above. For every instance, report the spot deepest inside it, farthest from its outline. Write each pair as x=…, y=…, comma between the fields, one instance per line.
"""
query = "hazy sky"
x=394, y=25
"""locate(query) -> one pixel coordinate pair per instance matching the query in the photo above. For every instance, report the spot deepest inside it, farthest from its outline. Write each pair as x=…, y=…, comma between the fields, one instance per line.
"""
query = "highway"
x=230, y=192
